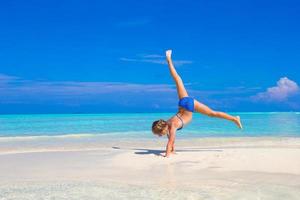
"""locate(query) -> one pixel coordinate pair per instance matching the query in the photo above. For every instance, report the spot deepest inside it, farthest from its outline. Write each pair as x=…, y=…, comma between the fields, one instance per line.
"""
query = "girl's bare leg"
x=201, y=108
x=181, y=91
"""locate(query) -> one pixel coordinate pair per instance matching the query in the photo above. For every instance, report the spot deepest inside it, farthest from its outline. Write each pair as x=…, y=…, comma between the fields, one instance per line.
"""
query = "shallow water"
x=95, y=190
x=139, y=125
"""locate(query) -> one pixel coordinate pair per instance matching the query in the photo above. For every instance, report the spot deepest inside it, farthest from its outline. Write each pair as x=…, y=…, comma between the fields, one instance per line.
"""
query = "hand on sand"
x=168, y=53
x=238, y=122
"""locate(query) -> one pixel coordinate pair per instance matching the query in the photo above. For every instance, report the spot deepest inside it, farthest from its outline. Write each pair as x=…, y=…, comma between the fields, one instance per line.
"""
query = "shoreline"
x=87, y=143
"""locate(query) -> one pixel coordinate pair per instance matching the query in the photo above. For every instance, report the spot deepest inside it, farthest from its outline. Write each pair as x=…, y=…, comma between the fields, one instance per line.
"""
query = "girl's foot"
x=168, y=53
x=237, y=121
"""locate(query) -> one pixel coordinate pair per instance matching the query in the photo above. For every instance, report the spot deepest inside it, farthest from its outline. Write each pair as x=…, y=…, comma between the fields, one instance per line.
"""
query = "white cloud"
x=285, y=88
x=129, y=59
x=182, y=62
x=153, y=56
x=155, y=59
x=14, y=89
x=7, y=78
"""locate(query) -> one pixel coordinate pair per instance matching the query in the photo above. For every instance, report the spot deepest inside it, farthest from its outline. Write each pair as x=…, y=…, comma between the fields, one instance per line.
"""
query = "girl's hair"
x=158, y=127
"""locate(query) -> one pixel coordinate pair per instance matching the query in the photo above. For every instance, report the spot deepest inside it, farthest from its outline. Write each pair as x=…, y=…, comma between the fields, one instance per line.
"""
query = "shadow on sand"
x=160, y=152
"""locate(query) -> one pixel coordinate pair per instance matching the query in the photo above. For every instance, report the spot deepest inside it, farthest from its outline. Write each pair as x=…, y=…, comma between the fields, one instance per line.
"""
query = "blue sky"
x=107, y=56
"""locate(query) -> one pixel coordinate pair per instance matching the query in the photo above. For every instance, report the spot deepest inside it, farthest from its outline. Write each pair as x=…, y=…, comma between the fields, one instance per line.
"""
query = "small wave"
x=48, y=150
x=65, y=136
x=45, y=137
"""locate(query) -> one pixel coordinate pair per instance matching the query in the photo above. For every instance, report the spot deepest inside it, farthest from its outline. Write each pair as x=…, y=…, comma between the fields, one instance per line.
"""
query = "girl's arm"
x=173, y=148
x=170, y=144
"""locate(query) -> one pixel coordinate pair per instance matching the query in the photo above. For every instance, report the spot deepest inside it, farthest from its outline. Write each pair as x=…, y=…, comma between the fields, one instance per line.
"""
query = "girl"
x=187, y=105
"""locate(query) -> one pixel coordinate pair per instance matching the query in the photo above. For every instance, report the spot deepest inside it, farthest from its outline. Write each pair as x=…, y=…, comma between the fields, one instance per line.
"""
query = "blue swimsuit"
x=187, y=103
x=181, y=122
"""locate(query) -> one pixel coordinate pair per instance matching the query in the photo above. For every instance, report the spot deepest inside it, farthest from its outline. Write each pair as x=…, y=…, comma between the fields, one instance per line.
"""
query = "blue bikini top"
x=181, y=122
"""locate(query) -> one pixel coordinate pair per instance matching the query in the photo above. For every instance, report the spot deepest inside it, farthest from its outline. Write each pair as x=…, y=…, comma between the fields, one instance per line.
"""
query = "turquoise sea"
x=132, y=125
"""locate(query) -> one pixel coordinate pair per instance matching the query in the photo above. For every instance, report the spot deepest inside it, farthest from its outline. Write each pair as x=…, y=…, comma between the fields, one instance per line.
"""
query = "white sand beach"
x=207, y=168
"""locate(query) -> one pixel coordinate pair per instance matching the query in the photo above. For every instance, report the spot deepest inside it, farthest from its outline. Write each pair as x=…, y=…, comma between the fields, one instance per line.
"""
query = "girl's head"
x=160, y=127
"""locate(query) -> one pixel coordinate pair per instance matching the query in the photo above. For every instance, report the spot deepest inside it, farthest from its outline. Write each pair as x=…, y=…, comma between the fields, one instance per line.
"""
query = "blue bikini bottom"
x=187, y=103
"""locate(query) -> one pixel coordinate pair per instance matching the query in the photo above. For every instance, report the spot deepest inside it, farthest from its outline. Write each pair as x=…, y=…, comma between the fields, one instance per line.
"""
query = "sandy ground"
x=208, y=168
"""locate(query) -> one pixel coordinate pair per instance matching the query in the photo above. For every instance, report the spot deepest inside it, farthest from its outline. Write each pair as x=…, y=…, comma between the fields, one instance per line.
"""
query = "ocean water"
x=91, y=190
x=132, y=125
